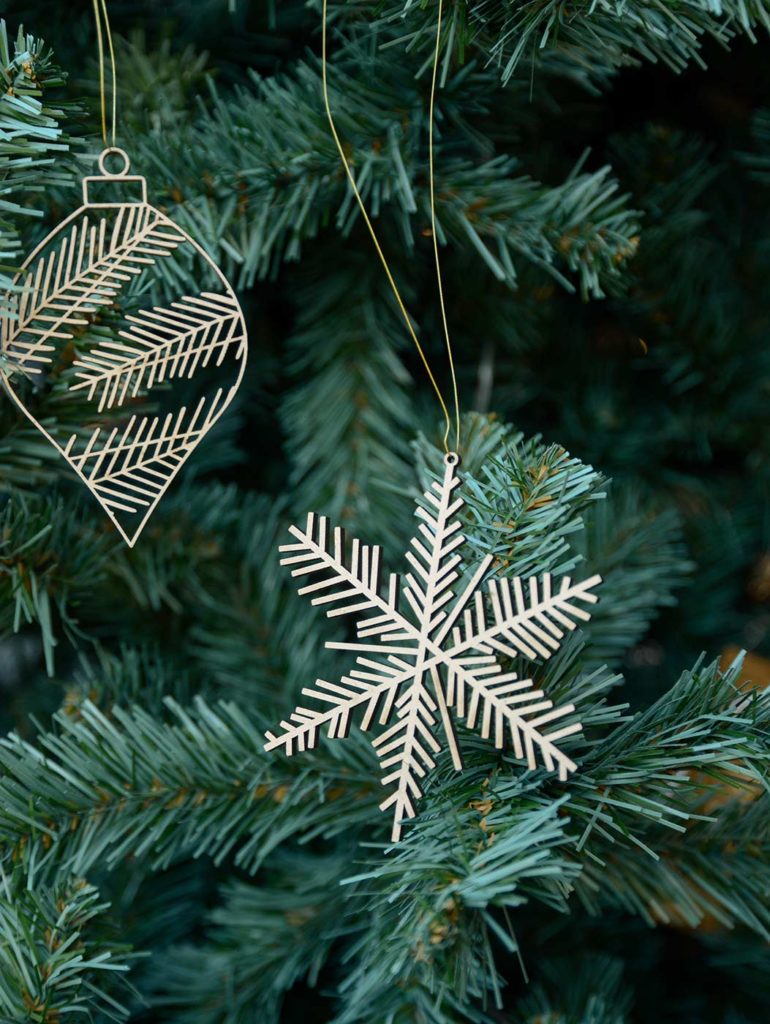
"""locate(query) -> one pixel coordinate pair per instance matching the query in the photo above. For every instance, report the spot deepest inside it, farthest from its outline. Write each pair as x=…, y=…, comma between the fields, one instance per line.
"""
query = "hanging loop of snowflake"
x=432, y=656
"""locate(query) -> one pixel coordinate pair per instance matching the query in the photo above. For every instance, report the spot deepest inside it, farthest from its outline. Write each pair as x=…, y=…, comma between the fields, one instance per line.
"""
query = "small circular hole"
x=114, y=162
x=452, y=459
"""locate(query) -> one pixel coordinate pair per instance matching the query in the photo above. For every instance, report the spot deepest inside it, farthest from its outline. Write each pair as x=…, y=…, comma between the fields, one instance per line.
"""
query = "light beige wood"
x=78, y=270
x=438, y=654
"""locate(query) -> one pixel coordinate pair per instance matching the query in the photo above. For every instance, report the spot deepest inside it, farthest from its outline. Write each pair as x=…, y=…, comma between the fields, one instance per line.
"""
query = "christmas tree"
x=603, y=216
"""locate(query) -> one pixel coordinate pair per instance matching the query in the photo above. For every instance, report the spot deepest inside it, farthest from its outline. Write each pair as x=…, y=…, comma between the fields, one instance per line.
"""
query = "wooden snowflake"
x=438, y=656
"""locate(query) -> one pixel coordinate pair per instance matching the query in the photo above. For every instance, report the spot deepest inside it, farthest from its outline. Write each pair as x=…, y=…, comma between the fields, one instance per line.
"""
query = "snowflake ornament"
x=437, y=658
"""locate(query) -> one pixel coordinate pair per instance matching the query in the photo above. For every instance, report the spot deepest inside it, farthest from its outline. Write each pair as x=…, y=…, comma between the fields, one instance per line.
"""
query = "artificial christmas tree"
x=601, y=212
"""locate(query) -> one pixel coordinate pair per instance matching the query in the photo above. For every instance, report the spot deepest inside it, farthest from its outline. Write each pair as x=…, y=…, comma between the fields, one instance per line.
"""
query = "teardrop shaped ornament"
x=99, y=324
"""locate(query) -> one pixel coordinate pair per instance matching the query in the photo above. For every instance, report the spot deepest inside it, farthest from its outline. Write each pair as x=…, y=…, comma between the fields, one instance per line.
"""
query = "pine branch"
x=640, y=553
x=580, y=226
x=509, y=218
x=35, y=140
x=46, y=571
x=434, y=932
x=159, y=79
x=126, y=785
x=582, y=988
x=260, y=941
x=526, y=500
x=127, y=676
x=209, y=563
x=52, y=967
x=637, y=842
x=198, y=786
x=651, y=782
x=595, y=39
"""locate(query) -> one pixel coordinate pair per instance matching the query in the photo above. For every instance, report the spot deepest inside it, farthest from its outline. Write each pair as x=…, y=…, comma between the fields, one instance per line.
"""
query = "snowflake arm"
x=499, y=703
x=408, y=747
x=372, y=687
x=341, y=588
x=534, y=625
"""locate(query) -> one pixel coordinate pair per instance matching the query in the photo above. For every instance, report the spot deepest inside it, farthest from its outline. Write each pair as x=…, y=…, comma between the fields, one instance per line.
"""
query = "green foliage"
x=605, y=262
x=33, y=140
x=589, y=992
x=167, y=77
x=260, y=940
x=44, y=569
x=591, y=40
x=640, y=552
x=526, y=500
x=126, y=784
x=351, y=384
x=268, y=149
x=51, y=965
x=630, y=829
x=647, y=820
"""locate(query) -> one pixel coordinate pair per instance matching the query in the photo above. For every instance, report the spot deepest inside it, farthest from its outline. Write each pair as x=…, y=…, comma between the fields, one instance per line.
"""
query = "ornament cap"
x=120, y=176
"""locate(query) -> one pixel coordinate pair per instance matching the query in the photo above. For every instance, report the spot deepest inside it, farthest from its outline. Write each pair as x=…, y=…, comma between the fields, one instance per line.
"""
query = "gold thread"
x=100, y=12
x=434, y=235
x=100, y=47
x=114, y=70
x=373, y=234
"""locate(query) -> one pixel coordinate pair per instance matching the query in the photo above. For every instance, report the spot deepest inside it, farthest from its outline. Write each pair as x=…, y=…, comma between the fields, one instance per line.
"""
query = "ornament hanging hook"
x=117, y=152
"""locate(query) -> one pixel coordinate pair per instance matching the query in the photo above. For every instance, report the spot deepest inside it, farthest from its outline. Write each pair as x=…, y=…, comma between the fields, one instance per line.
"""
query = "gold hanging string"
x=100, y=15
x=434, y=235
x=372, y=232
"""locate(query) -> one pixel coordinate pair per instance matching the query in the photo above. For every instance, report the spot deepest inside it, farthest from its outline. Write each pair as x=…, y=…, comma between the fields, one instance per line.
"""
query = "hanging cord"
x=434, y=235
x=373, y=233
x=100, y=16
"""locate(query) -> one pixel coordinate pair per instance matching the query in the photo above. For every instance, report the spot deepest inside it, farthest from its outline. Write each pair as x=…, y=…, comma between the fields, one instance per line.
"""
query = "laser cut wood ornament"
x=436, y=660
x=100, y=262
